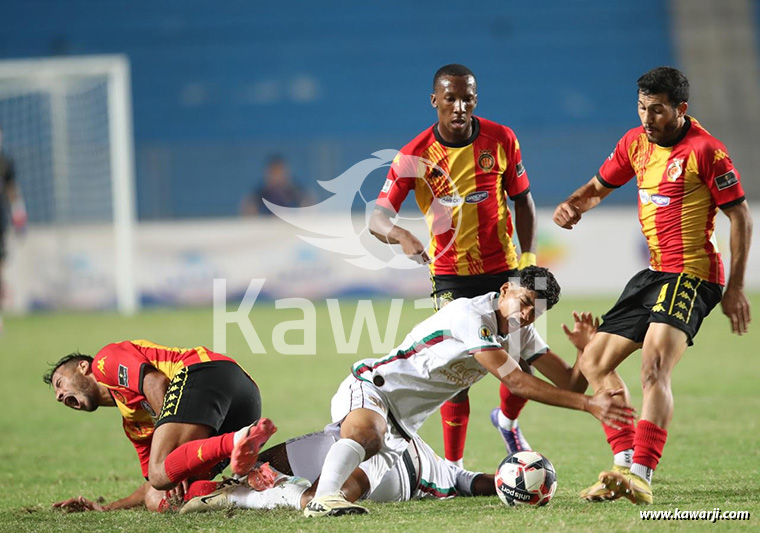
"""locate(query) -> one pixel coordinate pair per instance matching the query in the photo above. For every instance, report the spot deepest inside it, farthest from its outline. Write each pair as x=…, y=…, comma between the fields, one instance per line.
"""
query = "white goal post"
x=68, y=127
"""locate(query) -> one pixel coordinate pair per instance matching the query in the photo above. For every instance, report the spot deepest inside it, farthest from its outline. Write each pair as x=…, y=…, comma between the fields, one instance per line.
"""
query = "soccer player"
x=420, y=473
x=182, y=409
x=9, y=196
x=684, y=175
x=380, y=406
x=471, y=166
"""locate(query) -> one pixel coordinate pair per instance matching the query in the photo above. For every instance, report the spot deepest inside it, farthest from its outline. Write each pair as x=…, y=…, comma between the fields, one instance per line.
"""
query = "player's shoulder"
x=498, y=132
x=420, y=143
x=702, y=140
x=632, y=135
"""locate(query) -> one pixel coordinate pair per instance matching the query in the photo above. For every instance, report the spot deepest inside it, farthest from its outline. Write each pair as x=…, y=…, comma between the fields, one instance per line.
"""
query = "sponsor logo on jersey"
x=644, y=197
x=727, y=180
x=102, y=365
x=387, y=185
x=145, y=405
x=660, y=200
x=485, y=333
x=486, y=160
x=719, y=154
x=520, y=168
x=450, y=200
x=675, y=169
x=461, y=376
x=476, y=197
x=123, y=376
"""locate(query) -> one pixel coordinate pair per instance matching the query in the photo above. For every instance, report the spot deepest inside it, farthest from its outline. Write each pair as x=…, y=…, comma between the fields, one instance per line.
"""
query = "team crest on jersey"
x=123, y=376
x=675, y=169
x=486, y=160
x=119, y=397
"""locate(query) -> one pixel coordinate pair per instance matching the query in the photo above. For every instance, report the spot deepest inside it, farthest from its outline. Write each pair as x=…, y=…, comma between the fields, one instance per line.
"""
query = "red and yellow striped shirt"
x=680, y=190
x=460, y=188
x=121, y=366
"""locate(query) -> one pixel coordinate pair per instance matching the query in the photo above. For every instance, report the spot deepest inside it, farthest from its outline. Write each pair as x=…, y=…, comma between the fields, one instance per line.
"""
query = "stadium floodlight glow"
x=68, y=126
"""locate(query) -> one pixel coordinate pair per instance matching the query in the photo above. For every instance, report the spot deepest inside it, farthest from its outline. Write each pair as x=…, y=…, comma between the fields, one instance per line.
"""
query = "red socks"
x=620, y=439
x=511, y=404
x=198, y=456
x=648, y=444
x=454, y=417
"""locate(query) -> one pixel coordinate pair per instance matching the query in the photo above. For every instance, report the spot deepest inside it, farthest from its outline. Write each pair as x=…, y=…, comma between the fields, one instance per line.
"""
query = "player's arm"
x=735, y=304
x=607, y=406
x=81, y=504
x=381, y=226
x=525, y=224
x=154, y=385
x=588, y=196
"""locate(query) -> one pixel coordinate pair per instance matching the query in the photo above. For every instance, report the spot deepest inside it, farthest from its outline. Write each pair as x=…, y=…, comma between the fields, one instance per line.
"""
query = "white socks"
x=284, y=495
x=624, y=458
x=504, y=422
x=644, y=472
x=344, y=456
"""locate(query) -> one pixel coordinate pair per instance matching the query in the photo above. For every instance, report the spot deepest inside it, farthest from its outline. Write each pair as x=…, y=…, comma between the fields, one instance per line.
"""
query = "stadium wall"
x=177, y=261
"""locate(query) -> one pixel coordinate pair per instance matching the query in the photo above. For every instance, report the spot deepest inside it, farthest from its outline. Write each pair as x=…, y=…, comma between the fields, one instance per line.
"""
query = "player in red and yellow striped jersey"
x=461, y=171
x=684, y=175
x=182, y=409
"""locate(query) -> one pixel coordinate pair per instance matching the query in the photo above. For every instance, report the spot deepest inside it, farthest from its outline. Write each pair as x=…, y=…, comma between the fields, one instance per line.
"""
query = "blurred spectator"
x=9, y=197
x=278, y=188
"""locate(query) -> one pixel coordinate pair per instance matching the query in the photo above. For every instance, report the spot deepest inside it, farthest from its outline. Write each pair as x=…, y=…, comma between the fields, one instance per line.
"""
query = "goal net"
x=67, y=127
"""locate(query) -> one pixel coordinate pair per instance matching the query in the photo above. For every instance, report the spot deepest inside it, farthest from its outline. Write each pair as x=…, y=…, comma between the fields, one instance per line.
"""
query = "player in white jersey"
x=420, y=474
x=382, y=404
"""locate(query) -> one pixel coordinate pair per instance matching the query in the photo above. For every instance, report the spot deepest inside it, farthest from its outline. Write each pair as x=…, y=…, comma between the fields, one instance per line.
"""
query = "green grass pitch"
x=49, y=453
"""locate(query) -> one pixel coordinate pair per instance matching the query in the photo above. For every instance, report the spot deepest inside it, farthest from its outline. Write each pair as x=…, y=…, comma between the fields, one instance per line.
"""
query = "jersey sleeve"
x=477, y=331
x=720, y=175
x=515, y=177
x=400, y=180
x=532, y=344
x=617, y=169
x=121, y=365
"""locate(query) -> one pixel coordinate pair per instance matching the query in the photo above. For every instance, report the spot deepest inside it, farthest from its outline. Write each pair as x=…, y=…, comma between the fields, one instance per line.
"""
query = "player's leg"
x=600, y=359
x=200, y=423
x=504, y=417
x=455, y=416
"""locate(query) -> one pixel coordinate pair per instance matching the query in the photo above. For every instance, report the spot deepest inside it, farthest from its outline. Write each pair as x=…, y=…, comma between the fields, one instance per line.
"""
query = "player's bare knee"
x=157, y=477
x=153, y=500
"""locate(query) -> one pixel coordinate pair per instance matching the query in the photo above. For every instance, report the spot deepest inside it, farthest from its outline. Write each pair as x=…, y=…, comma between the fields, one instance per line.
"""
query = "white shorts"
x=354, y=394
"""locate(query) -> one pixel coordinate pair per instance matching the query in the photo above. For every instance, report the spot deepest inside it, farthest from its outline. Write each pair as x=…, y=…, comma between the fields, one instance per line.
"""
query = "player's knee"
x=157, y=477
x=153, y=500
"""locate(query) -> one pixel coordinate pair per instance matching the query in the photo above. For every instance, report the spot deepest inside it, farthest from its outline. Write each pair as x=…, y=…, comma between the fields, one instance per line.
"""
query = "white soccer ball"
x=526, y=477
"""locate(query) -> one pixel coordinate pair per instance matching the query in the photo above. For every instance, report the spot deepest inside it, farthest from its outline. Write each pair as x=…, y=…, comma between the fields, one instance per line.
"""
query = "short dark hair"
x=542, y=282
x=454, y=69
x=667, y=80
x=74, y=356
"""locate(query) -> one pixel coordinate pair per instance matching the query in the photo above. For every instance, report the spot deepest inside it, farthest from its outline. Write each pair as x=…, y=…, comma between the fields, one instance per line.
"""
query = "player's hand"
x=176, y=496
x=414, y=249
x=610, y=408
x=584, y=327
x=78, y=505
x=736, y=307
x=566, y=215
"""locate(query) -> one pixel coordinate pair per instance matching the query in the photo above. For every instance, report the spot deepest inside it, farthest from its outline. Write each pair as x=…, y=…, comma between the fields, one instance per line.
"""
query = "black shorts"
x=450, y=287
x=681, y=300
x=218, y=394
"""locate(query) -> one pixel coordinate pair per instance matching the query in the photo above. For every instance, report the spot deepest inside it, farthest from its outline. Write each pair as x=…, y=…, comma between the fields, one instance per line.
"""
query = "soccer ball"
x=526, y=477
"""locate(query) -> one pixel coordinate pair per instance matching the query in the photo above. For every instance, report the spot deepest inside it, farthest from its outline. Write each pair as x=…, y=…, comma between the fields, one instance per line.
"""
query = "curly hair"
x=542, y=282
x=667, y=80
x=74, y=356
